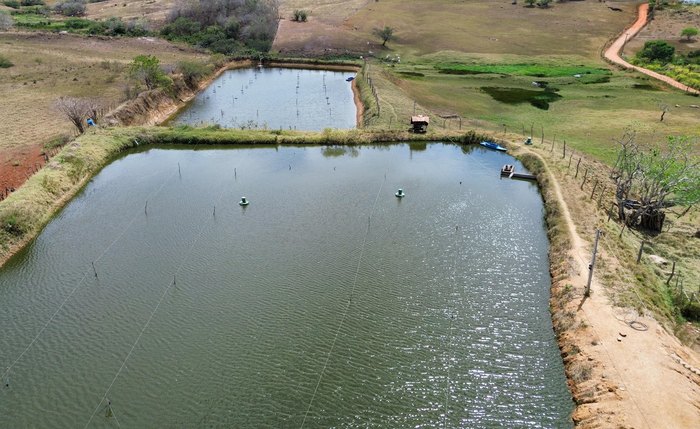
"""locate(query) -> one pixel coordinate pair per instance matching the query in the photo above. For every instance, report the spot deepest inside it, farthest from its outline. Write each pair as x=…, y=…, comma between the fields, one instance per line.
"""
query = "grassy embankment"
x=25, y=212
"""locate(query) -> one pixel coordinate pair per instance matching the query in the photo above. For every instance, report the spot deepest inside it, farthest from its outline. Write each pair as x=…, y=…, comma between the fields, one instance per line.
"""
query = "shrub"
x=146, y=69
x=14, y=4
x=137, y=28
x=70, y=8
x=300, y=15
x=224, y=26
x=5, y=63
x=77, y=23
x=691, y=311
x=13, y=224
x=32, y=3
x=6, y=22
x=193, y=72
x=657, y=50
x=181, y=28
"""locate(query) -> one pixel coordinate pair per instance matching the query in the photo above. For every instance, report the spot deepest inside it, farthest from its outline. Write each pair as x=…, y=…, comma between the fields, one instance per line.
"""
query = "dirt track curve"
x=613, y=52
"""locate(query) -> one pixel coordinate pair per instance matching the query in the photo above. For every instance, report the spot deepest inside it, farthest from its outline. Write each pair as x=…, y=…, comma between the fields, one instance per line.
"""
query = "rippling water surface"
x=275, y=98
x=328, y=302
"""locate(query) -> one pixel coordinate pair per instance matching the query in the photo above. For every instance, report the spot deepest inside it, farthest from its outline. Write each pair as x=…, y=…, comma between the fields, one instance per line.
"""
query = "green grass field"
x=478, y=60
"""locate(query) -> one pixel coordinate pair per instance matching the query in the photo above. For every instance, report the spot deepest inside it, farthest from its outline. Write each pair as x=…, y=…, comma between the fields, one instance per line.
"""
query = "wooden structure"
x=419, y=123
x=508, y=171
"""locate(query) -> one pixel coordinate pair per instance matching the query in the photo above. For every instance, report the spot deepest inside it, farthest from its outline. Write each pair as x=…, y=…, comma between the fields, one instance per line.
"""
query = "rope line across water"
x=82, y=279
x=150, y=318
x=347, y=308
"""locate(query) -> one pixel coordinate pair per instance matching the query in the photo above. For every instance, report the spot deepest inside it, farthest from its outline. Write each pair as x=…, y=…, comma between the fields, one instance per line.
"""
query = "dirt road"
x=613, y=52
x=642, y=376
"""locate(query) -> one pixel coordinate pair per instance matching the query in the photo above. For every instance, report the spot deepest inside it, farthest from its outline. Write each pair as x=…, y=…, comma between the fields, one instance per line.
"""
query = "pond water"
x=327, y=302
x=275, y=98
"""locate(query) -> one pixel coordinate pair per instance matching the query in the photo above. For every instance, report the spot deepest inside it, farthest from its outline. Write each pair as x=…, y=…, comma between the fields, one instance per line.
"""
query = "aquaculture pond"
x=275, y=98
x=327, y=302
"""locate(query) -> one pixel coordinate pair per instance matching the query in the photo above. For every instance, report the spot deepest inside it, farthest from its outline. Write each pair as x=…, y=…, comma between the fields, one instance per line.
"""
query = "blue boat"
x=494, y=146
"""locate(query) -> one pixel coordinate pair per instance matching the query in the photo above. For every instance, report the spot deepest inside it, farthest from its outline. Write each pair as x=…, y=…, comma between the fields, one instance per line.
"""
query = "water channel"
x=274, y=98
x=327, y=302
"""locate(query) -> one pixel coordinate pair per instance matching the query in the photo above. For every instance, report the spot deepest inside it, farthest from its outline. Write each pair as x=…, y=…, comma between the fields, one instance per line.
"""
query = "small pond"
x=274, y=98
x=327, y=302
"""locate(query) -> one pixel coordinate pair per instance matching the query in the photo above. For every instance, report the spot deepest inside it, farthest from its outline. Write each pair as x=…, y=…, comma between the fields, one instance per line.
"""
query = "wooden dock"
x=508, y=171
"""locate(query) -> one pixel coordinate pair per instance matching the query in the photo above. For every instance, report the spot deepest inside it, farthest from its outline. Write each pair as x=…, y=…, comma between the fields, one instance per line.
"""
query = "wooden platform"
x=508, y=171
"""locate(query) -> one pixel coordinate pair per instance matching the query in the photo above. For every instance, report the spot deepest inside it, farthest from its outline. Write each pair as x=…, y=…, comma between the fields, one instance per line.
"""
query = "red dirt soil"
x=17, y=165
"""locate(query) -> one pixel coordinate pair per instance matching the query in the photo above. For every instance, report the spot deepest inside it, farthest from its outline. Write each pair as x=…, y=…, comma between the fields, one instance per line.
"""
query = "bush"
x=14, y=4
x=224, y=26
x=146, y=69
x=77, y=23
x=181, y=28
x=193, y=72
x=6, y=22
x=300, y=15
x=691, y=311
x=70, y=8
x=657, y=50
x=32, y=3
x=5, y=63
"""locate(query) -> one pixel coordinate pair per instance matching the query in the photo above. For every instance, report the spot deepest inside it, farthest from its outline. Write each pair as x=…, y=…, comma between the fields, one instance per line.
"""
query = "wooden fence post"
x=600, y=197
x=595, y=185
x=577, y=164
x=641, y=250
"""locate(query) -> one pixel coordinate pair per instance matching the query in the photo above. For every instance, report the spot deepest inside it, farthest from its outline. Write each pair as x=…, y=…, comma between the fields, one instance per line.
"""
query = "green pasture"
x=590, y=111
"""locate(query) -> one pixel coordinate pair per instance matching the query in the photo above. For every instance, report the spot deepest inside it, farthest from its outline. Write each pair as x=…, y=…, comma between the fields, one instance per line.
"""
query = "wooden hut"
x=420, y=123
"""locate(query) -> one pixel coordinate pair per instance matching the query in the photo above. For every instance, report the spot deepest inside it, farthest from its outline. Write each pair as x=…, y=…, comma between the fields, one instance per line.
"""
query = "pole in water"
x=234, y=173
x=174, y=282
x=108, y=412
x=290, y=167
x=214, y=210
x=93, y=268
x=178, y=170
x=145, y=209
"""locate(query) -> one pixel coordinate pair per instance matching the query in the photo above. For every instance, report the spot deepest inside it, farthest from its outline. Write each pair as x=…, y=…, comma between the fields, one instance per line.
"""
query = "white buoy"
x=243, y=202
x=400, y=193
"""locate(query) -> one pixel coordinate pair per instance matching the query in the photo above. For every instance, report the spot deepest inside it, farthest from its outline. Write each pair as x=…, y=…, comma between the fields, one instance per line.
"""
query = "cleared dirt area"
x=47, y=66
x=154, y=11
x=327, y=31
x=478, y=26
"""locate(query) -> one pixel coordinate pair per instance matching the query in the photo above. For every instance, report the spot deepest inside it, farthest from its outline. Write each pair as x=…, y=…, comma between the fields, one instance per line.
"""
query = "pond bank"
x=25, y=212
x=155, y=107
x=620, y=374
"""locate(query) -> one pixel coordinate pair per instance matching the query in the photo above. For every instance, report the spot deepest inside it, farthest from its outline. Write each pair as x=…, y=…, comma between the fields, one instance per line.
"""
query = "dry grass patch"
x=48, y=66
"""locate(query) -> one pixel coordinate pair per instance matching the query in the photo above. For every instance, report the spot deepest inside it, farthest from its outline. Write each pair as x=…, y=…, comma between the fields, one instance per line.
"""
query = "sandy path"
x=652, y=380
x=613, y=52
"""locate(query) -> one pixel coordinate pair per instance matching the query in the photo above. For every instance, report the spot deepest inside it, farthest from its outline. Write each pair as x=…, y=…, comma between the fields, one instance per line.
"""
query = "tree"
x=386, y=34
x=689, y=33
x=530, y=3
x=657, y=50
x=146, y=69
x=649, y=181
x=78, y=110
